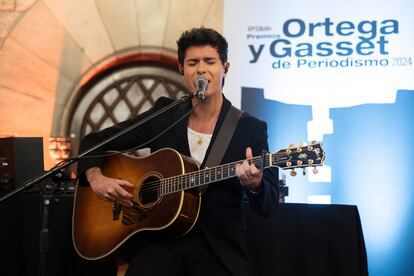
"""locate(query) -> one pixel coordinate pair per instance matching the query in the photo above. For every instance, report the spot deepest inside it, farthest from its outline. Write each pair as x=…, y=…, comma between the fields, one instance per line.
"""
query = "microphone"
x=201, y=83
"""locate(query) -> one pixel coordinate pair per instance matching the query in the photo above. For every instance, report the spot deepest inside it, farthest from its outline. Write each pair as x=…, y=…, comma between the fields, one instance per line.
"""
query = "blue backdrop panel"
x=370, y=153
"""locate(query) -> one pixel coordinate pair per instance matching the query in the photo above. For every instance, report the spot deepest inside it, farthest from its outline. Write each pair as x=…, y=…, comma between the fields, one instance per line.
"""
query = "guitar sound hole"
x=149, y=191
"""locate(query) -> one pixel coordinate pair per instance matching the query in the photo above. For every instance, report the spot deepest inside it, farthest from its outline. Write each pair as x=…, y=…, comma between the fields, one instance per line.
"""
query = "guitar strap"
x=222, y=140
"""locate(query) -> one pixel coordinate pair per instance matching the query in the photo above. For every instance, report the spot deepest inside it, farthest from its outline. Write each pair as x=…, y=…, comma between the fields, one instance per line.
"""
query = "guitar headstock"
x=299, y=157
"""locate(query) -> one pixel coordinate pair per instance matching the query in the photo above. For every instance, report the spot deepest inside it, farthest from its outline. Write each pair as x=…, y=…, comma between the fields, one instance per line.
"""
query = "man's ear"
x=181, y=69
x=226, y=67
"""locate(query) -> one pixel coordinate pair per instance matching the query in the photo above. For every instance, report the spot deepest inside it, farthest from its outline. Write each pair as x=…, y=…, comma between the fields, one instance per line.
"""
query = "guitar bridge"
x=116, y=210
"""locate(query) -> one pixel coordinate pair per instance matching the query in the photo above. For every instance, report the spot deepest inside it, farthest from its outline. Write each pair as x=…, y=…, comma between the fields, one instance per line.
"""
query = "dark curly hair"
x=199, y=37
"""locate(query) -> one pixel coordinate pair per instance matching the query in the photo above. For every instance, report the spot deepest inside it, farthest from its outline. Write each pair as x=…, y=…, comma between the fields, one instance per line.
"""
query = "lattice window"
x=122, y=95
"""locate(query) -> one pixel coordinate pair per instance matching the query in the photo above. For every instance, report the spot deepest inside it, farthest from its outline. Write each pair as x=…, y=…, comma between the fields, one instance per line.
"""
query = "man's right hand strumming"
x=110, y=189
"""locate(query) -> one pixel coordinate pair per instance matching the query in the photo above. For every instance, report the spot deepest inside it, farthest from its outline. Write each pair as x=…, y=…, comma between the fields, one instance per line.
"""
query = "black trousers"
x=190, y=255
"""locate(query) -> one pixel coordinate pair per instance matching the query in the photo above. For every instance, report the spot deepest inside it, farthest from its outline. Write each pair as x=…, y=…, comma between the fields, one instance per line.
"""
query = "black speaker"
x=21, y=158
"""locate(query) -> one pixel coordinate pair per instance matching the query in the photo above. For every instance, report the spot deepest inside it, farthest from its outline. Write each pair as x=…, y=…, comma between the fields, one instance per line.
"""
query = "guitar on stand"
x=161, y=197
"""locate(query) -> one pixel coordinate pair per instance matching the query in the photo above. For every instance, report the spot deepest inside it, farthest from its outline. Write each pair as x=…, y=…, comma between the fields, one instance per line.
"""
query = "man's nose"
x=201, y=68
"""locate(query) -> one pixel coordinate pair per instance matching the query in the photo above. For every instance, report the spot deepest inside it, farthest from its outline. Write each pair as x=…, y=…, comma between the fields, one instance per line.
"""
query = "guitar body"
x=100, y=227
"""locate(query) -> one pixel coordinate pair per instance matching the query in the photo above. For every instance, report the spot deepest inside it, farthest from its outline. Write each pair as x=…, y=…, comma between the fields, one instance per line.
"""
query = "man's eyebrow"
x=193, y=59
x=198, y=59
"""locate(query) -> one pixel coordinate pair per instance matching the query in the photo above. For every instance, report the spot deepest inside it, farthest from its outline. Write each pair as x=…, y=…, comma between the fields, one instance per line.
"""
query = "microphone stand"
x=47, y=199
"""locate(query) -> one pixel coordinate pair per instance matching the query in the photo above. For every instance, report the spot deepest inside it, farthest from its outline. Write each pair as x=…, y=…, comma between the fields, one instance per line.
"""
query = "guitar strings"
x=153, y=186
x=169, y=185
x=150, y=188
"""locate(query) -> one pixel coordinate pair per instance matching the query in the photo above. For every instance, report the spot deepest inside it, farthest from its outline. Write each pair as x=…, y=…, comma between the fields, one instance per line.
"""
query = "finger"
x=126, y=185
x=249, y=153
x=108, y=197
x=241, y=174
x=246, y=166
x=122, y=192
x=110, y=192
x=238, y=171
x=247, y=170
x=254, y=171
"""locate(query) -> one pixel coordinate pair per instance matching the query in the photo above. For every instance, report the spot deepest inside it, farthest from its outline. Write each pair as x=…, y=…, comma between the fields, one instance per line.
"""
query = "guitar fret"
x=230, y=169
x=177, y=184
x=213, y=174
x=225, y=172
x=201, y=178
x=186, y=182
x=192, y=180
x=218, y=174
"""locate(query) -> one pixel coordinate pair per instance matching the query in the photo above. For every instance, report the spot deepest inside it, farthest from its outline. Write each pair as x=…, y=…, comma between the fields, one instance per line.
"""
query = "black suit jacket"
x=221, y=217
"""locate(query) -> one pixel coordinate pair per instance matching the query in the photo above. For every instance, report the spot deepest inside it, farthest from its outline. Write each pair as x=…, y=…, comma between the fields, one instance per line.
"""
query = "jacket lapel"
x=181, y=128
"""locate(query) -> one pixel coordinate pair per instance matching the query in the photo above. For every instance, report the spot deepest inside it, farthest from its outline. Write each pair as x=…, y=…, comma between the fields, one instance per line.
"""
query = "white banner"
x=325, y=54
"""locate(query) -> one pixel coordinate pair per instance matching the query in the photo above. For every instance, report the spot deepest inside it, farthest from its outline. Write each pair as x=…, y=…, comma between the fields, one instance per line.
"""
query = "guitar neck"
x=206, y=176
x=300, y=157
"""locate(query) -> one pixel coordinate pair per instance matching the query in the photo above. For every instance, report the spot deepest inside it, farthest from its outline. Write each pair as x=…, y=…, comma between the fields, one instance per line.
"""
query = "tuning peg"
x=315, y=170
x=293, y=173
x=304, y=171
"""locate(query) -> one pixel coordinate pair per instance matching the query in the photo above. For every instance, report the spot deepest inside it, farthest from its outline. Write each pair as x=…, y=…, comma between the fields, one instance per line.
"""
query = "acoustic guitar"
x=163, y=197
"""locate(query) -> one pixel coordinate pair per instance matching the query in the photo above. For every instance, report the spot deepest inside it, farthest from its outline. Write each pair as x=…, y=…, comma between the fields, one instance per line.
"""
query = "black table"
x=303, y=239
x=299, y=239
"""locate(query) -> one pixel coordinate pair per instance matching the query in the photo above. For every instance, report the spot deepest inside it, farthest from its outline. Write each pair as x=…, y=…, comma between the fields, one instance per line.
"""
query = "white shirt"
x=198, y=143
